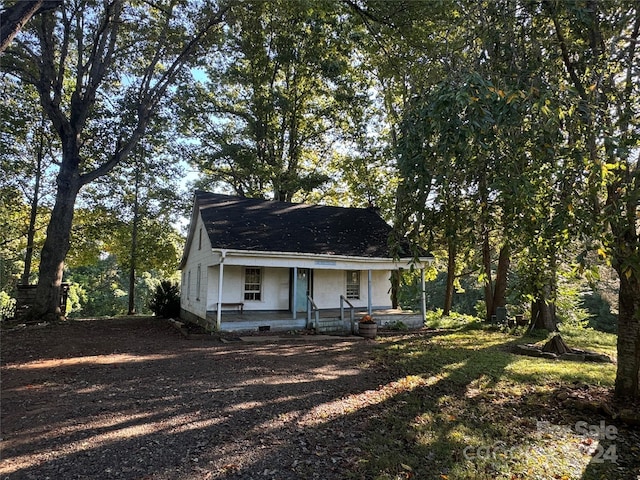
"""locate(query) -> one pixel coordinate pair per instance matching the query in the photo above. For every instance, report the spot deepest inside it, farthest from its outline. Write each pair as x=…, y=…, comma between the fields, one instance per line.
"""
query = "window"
x=200, y=239
x=353, y=285
x=189, y=285
x=198, y=283
x=252, y=283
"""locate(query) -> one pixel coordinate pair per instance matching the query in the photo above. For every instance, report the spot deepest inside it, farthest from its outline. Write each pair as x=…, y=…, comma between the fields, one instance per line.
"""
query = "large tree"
x=466, y=134
x=597, y=45
x=268, y=116
x=102, y=70
x=572, y=152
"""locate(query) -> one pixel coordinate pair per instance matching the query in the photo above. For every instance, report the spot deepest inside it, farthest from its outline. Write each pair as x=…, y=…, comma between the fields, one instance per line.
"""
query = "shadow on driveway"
x=131, y=398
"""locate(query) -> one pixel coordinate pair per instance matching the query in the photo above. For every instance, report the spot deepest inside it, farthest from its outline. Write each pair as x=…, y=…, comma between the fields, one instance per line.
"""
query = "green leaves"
x=270, y=113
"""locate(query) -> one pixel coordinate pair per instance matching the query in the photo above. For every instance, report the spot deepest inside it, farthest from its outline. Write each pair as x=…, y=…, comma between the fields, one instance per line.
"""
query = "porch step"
x=332, y=325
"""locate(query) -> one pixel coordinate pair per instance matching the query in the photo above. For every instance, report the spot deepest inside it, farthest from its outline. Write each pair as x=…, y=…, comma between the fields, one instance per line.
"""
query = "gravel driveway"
x=133, y=399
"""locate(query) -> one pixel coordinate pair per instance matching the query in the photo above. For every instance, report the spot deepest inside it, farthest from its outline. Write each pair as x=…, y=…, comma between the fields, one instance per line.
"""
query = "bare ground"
x=133, y=399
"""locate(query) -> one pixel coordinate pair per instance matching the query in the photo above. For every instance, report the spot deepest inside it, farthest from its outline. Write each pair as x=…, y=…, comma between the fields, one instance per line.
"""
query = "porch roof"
x=315, y=261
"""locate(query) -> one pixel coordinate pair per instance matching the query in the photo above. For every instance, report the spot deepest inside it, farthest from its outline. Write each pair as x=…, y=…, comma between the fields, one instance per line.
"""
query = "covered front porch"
x=247, y=290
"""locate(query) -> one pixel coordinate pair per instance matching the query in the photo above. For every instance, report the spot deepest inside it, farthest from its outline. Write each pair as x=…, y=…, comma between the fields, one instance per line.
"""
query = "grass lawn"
x=464, y=407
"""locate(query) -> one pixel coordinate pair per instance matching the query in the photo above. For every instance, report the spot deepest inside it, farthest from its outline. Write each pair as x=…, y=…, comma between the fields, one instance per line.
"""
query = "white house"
x=275, y=263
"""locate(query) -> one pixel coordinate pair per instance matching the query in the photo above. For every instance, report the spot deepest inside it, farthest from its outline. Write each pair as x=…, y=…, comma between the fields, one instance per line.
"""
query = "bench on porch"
x=238, y=305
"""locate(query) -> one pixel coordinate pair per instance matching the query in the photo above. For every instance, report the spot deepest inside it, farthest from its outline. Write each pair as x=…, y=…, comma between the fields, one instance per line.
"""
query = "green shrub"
x=435, y=319
x=165, y=301
x=7, y=306
x=76, y=297
x=398, y=325
x=481, y=309
x=602, y=317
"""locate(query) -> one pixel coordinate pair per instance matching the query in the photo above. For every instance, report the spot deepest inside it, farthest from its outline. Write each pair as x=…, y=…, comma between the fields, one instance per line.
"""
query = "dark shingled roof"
x=264, y=225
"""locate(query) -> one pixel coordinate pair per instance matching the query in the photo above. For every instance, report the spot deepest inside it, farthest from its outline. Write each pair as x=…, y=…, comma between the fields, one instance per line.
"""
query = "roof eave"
x=321, y=256
x=195, y=211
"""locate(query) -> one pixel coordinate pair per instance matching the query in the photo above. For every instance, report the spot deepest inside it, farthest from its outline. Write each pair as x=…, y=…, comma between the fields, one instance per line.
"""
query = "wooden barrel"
x=368, y=330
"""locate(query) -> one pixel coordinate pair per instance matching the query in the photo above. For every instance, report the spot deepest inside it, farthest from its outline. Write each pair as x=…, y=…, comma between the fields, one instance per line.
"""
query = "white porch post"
x=369, y=290
x=295, y=293
x=220, y=282
x=423, y=294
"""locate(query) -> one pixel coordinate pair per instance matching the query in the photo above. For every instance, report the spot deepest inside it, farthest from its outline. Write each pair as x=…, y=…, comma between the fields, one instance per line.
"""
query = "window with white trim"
x=353, y=285
x=252, y=284
x=198, y=283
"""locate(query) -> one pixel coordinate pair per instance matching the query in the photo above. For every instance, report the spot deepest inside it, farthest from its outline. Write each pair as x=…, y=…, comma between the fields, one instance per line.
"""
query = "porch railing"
x=352, y=312
x=312, y=308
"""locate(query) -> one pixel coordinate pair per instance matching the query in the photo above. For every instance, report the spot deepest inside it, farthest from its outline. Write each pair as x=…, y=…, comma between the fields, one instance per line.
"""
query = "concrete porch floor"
x=283, y=320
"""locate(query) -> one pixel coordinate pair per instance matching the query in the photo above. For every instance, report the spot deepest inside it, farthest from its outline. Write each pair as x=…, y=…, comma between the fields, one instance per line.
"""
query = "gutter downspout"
x=294, y=303
x=369, y=289
x=223, y=255
x=423, y=295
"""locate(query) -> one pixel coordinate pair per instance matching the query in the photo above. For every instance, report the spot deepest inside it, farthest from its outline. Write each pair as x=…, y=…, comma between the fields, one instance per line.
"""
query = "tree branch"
x=571, y=69
x=16, y=16
x=150, y=98
x=46, y=83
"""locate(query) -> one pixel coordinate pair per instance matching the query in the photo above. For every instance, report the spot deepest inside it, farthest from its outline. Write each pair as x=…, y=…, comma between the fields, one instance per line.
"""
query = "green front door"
x=303, y=281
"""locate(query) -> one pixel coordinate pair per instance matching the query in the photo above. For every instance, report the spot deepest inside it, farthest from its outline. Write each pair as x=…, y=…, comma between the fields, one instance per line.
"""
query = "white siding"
x=328, y=285
x=381, y=291
x=212, y=287
x=275, y=288
x=327, y=288
x=231, y=285
x=199, y=254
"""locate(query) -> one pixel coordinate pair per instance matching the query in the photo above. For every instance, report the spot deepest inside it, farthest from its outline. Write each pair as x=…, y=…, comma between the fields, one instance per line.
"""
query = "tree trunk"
x=556, y=345
x=500, y=287
x=451, y=275
x=74, y=69
x=488, y=282
x=543, y=312
x=544, y=316
x=56, y=246
x=395, y=287
x=628, y=374
x=134, y=246
x=31, y=233
x=624, y=227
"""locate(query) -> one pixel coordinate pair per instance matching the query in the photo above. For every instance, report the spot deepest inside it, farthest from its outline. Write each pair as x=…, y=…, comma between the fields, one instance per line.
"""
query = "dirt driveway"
x=133, y=399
